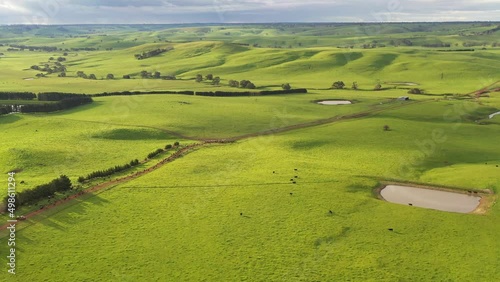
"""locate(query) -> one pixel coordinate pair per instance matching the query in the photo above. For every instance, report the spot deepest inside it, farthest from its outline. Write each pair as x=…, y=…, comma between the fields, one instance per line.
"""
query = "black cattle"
x=410, y=204
x=390, y=229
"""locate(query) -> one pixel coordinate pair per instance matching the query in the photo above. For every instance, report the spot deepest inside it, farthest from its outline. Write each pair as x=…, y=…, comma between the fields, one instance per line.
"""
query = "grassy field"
x=230, y=212
x=187, y=215
x=434, y=71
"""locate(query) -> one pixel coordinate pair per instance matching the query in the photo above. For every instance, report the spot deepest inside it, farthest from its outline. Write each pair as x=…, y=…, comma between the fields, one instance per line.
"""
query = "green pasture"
x=231, y=212
x=41, y=148
x=183, y=221
x=435, y=72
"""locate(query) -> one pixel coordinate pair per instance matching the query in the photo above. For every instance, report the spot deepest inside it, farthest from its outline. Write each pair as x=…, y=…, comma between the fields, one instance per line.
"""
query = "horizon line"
x=250, y=23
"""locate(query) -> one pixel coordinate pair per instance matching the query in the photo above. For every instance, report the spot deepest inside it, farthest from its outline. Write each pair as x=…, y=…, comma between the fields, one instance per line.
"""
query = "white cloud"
x=185, y=11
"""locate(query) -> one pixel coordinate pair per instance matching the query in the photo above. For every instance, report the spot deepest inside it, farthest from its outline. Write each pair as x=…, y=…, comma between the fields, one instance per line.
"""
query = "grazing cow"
x=470, y=192
x=294, y=182
x=296, y=176
x=390, y=229
x=291, y=194
x=330, y=211
x=296, y=169
x=291, y=179
x=410, y=204
x=274, y=171
x=241, y=213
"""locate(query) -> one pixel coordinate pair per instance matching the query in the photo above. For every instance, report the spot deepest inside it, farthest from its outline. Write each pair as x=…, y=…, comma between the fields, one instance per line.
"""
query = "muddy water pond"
x=333, y=103
x=430, y=199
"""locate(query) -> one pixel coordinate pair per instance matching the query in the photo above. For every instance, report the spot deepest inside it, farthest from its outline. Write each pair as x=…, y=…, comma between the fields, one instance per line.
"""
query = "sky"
x=243, y=11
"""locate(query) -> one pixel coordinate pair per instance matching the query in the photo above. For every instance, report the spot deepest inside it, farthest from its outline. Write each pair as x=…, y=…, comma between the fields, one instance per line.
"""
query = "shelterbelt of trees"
x=58, y=101
x=32, y=196
x=62, y=101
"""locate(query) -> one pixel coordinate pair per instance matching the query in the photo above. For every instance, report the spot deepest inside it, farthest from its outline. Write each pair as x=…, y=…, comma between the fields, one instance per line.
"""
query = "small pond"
x=431, y=199
x=337, y=102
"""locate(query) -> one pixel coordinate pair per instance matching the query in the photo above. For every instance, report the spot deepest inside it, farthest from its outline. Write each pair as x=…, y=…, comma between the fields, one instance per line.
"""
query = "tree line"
x=127, y=93
x=4, y=110
x=109, y=171
x=255, y=93
x=153, y=53
x=341, y=85
x=202, y=93
x=34, y=48
x=32, y=196
x=44, y=96
x=17, y=96
x=58, y=106
x=65, y=101
x=120, y=168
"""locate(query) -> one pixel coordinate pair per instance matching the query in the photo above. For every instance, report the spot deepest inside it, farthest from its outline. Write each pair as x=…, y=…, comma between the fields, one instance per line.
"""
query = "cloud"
x=199, y=11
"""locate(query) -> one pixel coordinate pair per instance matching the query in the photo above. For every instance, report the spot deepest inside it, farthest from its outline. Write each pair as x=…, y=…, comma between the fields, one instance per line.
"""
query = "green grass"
x=435, y=72
x=42, y=148
x=187, y=215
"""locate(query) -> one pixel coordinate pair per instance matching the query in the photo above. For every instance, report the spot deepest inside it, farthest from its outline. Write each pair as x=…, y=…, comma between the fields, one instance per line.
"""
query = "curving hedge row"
x=109, y=171
x=32, y=196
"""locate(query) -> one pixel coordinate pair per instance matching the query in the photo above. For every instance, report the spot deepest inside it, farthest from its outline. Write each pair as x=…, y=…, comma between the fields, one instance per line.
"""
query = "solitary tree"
x=415, y=91
x=378, y=87
x=234, y=83
x=209, y=77
x=386, y=128
x=110, y=76
x=354, y=85
x=92, y=76
x=126, y=76
x=244, y=83
x=216, y=80
x=199, y=78
x=338, y=85
x=286, y=86
x=145, y=74
x=157, y=74
x=250, y=85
